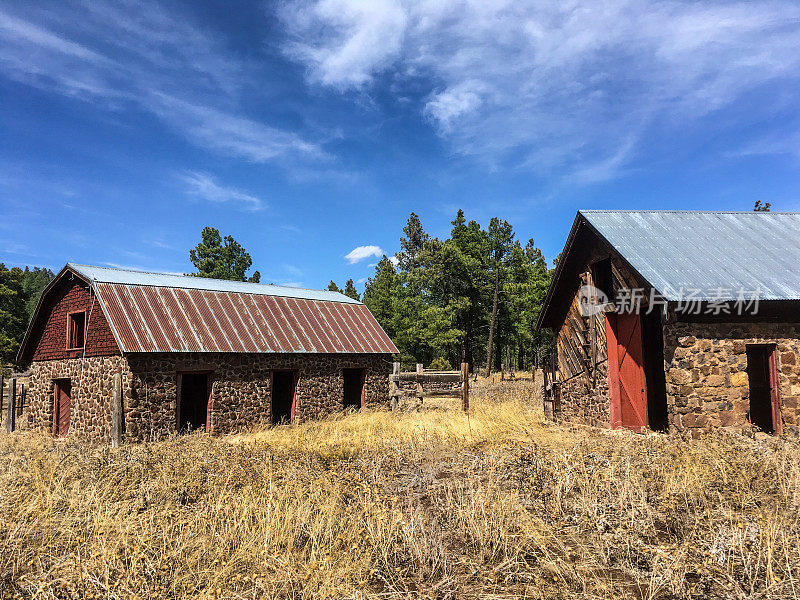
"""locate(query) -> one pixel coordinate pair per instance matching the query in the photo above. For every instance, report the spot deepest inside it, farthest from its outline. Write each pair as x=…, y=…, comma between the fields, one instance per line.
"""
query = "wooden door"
x=626, y=378
x=62, y=409
x=762, y=375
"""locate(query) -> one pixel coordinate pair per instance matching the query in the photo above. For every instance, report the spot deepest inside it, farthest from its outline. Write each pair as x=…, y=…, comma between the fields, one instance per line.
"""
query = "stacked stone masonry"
x=706, y=373
x=240, y=395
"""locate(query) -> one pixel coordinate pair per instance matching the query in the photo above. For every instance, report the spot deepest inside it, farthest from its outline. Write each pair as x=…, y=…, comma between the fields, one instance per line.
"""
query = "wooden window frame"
x=363, y=370
x=775, y=385
x=70, y=316
x=295, y=383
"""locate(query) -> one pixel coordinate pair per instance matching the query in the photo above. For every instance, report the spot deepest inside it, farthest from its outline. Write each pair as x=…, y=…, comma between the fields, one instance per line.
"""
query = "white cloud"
x=139, y=55
x=362, y=280
x=203, y=186
x=394, y=260
x=555, y=84
x=357, y=37
x=361, y=252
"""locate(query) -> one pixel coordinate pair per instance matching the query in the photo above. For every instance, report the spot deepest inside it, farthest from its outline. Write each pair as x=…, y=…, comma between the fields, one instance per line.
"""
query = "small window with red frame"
x=76, y=330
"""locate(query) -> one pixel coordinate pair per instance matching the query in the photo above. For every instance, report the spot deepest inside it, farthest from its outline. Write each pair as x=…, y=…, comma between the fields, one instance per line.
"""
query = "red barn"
x=196, y=353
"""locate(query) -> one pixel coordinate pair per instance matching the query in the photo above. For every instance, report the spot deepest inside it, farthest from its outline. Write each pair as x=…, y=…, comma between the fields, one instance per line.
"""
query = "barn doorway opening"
x=62, y=406
x=284, y=384
x=656, y=384
x=763, y=380
x=353, y=387
x=193, y=404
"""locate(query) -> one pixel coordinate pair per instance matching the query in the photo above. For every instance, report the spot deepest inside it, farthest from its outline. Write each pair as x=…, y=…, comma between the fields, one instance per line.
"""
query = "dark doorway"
x=283, y=389
x=763, y=378
x=62, y=406
x=353, y=388
x=653, y=343
x=193, y=390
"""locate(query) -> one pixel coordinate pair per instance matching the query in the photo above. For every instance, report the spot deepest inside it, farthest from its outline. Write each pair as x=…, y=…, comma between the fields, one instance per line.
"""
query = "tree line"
x=473, y=297
x=19, y=293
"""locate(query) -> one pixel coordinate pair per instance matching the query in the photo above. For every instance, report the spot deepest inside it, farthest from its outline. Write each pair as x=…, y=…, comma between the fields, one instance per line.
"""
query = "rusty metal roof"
x=154, y=312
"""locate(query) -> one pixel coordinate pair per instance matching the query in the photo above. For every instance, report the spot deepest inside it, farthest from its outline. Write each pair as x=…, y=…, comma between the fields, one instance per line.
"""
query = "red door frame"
x=58, y=393
x=363, y=387
x=774, y=386
x=632, y=346
x=209, y=398
x=295, y=379
x=774, y=392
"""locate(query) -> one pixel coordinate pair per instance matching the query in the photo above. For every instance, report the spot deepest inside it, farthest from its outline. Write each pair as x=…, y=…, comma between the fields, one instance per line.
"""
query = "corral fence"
x=12, y=400
x=456, y=384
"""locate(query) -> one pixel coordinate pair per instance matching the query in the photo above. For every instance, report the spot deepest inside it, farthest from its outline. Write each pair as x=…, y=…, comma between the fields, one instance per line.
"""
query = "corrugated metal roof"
x=154, y=312
x=677, y=251
x=131, y=277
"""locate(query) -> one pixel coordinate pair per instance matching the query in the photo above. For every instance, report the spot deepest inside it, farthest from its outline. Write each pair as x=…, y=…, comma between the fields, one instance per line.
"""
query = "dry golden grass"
x=426, y=503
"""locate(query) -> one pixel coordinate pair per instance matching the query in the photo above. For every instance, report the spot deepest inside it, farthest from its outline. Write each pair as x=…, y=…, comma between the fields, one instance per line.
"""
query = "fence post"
x=12, y=401
x=116, y=412
x=465, y=386
x=2, y=395
x=394, y=387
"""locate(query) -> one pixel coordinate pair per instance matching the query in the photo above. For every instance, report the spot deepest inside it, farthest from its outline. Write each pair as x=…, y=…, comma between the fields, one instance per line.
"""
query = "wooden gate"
x=626, y=371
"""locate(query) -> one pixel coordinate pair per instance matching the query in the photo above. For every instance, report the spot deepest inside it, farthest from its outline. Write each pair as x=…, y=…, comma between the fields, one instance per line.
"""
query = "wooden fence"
x=422, y=376
x=12, y=401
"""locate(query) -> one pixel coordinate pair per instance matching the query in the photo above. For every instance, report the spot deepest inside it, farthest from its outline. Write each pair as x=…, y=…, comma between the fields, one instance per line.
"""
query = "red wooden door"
x=626, y=371
x=61, y=407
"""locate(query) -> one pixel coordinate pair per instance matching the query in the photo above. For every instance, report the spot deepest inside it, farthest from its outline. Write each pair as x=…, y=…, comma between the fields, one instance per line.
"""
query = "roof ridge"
x=688, y=211
x=198, y=279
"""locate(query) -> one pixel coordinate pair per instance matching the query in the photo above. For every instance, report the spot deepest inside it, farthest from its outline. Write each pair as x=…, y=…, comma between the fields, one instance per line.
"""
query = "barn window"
x=76, y=330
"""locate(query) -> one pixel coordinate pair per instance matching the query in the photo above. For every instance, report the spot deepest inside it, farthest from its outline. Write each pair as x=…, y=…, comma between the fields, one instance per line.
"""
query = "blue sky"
x=310, y=130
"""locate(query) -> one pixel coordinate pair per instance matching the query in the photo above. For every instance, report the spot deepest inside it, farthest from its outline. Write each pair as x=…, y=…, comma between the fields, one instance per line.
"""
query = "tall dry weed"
x=424, y=503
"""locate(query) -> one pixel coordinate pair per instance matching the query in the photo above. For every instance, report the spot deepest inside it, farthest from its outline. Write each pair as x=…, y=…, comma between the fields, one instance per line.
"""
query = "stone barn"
x=196, y=353
x=677, y=320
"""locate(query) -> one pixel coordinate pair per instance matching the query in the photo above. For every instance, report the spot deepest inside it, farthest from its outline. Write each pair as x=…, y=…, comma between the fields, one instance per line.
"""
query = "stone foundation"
x=706, y=371
x=240, y=395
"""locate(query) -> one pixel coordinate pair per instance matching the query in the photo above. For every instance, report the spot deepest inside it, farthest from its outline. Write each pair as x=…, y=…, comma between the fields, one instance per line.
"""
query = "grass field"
x=428, y=504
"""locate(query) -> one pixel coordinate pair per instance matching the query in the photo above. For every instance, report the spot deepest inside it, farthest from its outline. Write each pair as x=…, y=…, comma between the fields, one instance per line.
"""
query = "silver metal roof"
x=131, y=277
x=678, y=251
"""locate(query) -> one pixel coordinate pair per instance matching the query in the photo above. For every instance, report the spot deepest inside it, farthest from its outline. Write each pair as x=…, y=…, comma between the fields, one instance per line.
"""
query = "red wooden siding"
x=49, y=336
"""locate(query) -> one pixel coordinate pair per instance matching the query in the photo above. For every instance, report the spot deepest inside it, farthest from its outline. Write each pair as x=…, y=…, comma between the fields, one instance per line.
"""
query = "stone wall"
x=585, y=399
x=240, y=389
x=91, y=380
x=707, y=383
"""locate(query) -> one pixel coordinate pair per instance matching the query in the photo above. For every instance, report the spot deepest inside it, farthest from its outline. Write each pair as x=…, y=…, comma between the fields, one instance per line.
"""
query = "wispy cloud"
x=142, y=56
x=554, y=86
x=359, y=253
x=204, y=187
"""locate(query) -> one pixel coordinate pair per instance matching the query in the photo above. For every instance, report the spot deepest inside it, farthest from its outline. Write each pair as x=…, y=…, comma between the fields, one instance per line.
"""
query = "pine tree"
x=350, y=290
x=220, y=258
x=500, y=236
x=13, y=315
x=332, y=287
x=381, y=294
